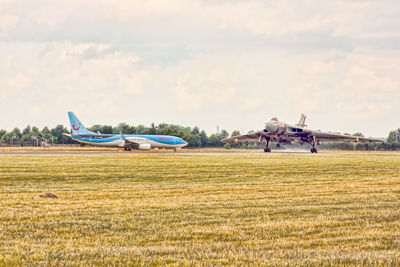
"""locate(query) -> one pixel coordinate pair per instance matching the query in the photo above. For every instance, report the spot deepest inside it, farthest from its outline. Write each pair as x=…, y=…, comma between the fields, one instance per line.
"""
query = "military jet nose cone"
x=272, y=126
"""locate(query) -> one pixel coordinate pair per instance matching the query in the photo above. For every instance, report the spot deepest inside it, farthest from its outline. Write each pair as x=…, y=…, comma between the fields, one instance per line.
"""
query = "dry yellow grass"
x=275, y=209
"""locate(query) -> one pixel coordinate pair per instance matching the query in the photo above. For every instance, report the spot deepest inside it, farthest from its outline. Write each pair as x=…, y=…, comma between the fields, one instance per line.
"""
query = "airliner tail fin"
x=77, y=127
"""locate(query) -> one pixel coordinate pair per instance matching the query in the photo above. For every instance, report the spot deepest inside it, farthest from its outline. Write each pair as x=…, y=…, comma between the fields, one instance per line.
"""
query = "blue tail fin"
x=77, y=127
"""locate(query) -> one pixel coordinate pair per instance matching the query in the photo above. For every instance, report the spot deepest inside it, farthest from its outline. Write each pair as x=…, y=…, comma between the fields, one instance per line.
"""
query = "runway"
x=244, y=153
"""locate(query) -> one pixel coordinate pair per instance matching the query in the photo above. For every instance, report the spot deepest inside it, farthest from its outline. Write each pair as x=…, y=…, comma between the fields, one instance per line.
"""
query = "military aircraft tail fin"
x=302, y=121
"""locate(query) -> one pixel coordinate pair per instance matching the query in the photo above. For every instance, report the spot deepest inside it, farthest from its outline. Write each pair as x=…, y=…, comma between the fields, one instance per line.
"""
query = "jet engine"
x=144, y=146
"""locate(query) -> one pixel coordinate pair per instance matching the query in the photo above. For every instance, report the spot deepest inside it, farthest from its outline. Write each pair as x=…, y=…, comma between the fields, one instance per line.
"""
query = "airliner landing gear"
x=314, y=150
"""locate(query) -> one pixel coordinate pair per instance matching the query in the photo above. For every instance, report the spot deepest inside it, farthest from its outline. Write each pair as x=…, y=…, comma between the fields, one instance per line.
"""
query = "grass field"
x=274, y=209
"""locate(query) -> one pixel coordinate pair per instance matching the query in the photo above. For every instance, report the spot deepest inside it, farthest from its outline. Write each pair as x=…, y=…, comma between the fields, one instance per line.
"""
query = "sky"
x=202, y=63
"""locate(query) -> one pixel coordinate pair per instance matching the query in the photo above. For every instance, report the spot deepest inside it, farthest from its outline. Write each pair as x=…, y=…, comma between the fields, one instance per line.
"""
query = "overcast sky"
x=204, y=63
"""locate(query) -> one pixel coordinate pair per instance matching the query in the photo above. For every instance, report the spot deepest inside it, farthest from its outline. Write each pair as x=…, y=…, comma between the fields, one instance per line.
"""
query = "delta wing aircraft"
x=283, y=133
x=128, y=142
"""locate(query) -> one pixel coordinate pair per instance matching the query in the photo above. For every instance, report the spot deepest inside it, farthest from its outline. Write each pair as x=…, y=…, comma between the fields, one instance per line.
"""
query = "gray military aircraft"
x=283, y=133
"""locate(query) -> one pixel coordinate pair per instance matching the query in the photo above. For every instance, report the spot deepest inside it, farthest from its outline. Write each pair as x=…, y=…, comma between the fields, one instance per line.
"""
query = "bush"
x=227, y=146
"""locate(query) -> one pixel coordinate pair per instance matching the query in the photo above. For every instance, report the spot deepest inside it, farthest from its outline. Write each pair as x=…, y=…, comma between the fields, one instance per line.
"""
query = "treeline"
x=33, y=136
x=392, y=143
x=195, y=137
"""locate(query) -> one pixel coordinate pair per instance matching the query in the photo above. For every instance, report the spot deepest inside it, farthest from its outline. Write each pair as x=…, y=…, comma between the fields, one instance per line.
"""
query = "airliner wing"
x=321, y=136
x=127, y=142
x=250, y=137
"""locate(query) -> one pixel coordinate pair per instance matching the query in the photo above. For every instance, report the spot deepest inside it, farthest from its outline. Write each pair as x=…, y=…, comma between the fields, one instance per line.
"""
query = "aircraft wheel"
x=278, y=145
x=314, y=150
x=267, y=149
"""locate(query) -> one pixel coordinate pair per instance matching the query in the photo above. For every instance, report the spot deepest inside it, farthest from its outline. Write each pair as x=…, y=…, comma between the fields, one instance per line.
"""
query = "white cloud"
x=319, y=68
x=308, y=97
x=197, y=90
x=285, y=18
x=251, y=103
x=200, y=62
x=7, y=22
x=365, y=110
x=371, y=74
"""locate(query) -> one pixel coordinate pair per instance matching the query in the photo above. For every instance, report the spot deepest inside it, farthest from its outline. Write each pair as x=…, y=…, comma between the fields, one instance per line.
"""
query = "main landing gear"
x=314, y=143
x=278, y=145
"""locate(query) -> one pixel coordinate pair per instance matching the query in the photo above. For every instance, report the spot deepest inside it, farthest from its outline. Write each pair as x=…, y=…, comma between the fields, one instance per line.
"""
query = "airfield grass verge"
x=274, y=209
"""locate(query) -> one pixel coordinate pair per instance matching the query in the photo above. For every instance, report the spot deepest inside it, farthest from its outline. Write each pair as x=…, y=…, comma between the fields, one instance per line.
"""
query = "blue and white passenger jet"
x=128, y=142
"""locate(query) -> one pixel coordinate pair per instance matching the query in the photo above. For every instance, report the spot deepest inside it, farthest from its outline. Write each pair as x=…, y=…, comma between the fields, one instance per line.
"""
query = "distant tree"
x=16, y=132
x=214, y=141
x=358, y=134
x=394, y=136
x=57, y=134
x=196, y=130
x=26, y=138
x=244, y=146
x=193, y=140
x=227, y=146
x=123, y=127
x=106, y=129
x=27, y=130
x=2, y=132
x=6, y=137
x=45, y=130
x=153, y=129
x=235, y=133
x=96, y=128
x=203, y=139
x=35, y=130
x=141, y=129
x=224, y=134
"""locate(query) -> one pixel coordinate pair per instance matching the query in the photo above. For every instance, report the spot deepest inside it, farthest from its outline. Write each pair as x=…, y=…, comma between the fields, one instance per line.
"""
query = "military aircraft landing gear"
x=267, y=149
x=314, y=143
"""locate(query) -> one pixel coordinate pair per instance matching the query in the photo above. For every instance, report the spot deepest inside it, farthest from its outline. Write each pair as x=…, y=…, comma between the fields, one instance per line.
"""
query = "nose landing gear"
x=314, y=150
x=267, y=149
